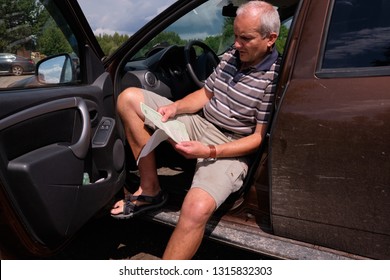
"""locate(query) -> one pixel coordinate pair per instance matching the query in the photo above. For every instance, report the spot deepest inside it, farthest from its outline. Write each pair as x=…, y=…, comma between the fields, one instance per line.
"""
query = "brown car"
x=318, y=188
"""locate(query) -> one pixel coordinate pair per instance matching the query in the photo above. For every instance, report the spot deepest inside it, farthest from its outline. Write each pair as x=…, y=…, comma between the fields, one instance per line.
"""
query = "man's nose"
x=237, y=44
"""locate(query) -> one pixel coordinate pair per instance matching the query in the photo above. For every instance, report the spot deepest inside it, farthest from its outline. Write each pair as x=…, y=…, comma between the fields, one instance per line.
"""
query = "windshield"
x=208, y=24
x=113, y=23
x=205, y=23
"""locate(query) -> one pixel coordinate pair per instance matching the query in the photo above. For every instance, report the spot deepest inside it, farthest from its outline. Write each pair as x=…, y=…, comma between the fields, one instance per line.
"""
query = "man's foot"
x=134, y=205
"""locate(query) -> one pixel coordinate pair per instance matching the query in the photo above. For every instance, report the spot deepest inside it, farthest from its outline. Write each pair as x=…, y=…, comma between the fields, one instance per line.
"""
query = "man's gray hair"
x=269, y=16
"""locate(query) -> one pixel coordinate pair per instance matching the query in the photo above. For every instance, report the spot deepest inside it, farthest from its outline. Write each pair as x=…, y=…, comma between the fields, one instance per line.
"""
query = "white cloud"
x=122, y=16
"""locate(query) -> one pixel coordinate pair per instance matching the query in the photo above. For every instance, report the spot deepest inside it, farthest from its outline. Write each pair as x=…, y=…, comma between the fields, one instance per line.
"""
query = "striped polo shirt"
x=242, y=99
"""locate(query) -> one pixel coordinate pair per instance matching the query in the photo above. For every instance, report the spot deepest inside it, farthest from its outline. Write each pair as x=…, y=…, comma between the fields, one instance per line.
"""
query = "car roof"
x=7, y=55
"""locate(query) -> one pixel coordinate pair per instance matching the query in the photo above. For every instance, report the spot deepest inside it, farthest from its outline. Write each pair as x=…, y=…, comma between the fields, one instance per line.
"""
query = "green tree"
x=19, y=21
x=281, y=41
x=109, y=43
x=227, y=34
x=213, y=42
x=165, y=38
x=52, y=41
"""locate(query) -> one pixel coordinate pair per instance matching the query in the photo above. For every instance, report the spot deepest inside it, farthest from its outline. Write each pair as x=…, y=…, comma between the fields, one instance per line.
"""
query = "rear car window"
x=358, y=35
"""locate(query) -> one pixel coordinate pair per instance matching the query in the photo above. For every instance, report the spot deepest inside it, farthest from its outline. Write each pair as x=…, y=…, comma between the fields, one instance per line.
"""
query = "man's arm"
x=191, y=103
x=241, y=147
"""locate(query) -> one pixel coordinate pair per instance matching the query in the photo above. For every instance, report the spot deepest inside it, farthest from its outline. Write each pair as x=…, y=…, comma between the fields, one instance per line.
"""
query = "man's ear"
x=272, y=39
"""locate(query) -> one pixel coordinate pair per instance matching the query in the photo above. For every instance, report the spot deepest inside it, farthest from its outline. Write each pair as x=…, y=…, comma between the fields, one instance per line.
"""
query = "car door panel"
x=46, y=138
x=55, y=134
x=46, y=170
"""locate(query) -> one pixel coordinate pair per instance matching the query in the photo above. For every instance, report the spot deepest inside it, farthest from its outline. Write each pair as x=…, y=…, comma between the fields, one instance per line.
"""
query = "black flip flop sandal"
x=131, y=210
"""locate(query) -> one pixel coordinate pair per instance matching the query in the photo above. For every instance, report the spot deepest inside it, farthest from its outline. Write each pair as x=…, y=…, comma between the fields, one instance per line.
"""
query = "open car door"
x=61, y=151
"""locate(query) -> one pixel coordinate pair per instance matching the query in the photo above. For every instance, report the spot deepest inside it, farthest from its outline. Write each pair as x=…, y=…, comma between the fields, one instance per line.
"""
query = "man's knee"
x=198, y=206
x=128, y=98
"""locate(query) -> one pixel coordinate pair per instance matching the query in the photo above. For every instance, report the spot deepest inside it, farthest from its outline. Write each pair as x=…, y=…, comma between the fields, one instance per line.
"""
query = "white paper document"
x=173, y=129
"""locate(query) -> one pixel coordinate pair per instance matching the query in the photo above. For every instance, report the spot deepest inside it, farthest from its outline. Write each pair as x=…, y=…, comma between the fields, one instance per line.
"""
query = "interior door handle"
x=80, y=148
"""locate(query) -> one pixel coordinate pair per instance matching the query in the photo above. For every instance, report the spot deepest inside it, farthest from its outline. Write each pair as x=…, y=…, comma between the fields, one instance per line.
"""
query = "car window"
x=28, y=34
x=205, y=23
x=358, y=35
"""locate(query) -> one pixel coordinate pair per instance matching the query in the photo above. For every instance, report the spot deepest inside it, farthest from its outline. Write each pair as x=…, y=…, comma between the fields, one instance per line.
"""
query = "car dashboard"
x=163, y=72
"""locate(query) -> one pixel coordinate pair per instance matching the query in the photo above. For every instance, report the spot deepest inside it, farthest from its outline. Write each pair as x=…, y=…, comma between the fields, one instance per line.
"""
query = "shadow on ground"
x=106, y=238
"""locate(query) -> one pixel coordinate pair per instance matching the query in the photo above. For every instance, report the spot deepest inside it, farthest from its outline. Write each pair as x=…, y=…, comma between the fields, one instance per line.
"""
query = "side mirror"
x=58, y=69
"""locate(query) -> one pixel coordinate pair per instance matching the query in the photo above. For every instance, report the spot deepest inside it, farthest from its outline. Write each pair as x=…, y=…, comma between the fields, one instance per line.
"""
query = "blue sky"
x=127, y=16
x=122, y=16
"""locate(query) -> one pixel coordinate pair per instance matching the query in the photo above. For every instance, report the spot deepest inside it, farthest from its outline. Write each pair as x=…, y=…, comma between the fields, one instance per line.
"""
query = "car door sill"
x=255, y=240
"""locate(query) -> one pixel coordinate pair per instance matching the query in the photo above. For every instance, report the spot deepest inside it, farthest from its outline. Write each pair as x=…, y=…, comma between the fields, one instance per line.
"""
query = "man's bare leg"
x=137, y=135
x=198, y=206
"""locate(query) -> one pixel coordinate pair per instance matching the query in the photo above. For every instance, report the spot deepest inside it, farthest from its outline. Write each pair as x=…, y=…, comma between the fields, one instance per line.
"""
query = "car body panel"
x=330, y=152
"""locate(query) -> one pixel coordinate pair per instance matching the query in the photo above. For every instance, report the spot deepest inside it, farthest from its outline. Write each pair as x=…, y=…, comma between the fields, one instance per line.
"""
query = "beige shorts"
x=219, y=178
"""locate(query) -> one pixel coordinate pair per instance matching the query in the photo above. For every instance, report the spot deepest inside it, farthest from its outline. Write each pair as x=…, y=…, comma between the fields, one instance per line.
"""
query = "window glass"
x=29, y=33
x=114, y=22
x=207, y=24
x=358, y=35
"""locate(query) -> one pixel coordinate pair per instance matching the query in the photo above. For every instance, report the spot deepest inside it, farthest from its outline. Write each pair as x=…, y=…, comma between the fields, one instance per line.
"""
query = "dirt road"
x=5, y=81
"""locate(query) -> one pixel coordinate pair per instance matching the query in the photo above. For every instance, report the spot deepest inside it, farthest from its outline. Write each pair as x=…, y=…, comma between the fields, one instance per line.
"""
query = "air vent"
x=150, y=79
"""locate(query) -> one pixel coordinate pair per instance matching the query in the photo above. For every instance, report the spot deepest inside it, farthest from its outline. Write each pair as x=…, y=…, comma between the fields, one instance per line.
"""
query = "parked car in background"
x=318, y=187
x=17, y=65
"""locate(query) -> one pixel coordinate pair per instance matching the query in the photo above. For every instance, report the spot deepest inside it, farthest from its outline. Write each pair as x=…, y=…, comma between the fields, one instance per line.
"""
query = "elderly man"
x=236, y=101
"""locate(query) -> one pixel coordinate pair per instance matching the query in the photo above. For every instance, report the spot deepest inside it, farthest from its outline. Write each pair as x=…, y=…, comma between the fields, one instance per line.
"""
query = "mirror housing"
x=57, y=69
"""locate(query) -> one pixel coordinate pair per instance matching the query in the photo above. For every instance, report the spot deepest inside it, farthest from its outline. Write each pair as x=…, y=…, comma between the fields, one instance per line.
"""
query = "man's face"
x=248, y=41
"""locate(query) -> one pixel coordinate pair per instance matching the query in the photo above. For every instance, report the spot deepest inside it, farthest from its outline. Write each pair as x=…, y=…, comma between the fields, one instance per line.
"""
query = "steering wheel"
x=199, y=66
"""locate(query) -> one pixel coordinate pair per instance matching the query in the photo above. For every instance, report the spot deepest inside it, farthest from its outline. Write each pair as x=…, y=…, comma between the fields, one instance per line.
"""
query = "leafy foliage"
x=52, y=40
x=20, y=21
x=109, y=43
x=281, y=42
x=26, y=25
x=163, y=39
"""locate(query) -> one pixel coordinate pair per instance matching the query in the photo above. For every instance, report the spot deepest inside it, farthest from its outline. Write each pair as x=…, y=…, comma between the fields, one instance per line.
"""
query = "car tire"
x=17, y=70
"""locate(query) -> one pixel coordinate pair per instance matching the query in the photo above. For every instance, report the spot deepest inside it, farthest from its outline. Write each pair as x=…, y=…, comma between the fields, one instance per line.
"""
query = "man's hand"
x=192, y=149
x=189, y=104
x=168, y=111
